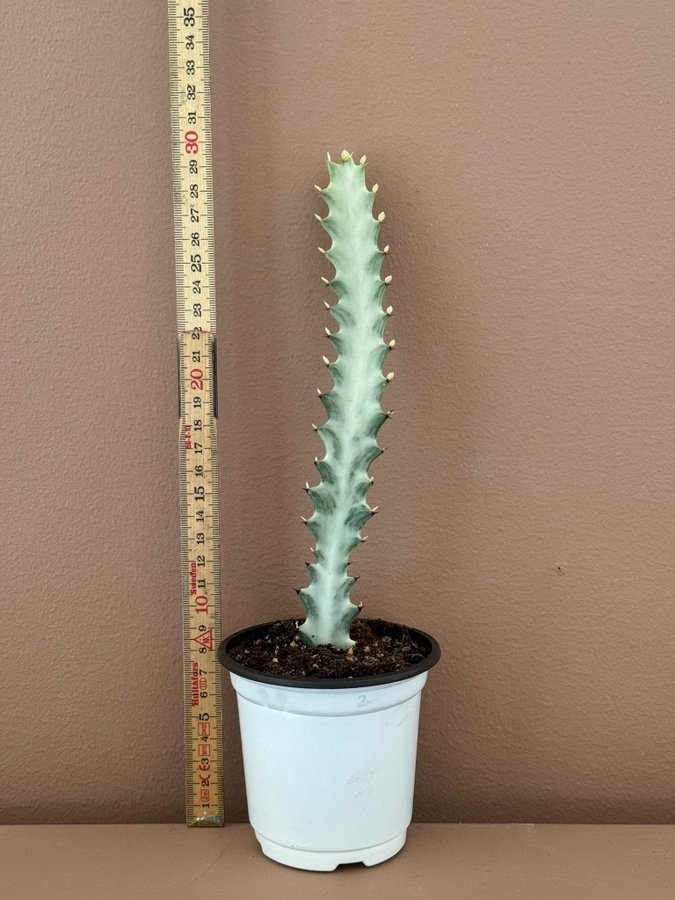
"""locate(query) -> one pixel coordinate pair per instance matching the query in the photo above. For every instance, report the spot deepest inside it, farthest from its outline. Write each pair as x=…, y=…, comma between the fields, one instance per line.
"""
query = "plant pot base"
x=328, y=861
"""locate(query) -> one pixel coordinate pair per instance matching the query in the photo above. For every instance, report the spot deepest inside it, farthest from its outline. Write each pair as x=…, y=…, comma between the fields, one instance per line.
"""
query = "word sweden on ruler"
x=198, y=452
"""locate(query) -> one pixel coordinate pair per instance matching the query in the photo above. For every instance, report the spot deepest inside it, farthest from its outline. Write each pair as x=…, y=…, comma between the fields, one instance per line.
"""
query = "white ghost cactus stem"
x=353, y=405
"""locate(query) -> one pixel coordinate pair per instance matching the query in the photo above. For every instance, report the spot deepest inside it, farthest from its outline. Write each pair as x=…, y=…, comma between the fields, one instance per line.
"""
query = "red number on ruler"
x=191, y=142
x=197, y=379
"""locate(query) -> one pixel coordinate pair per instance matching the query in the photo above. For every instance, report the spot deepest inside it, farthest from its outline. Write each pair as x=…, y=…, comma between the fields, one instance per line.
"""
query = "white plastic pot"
x=329, y=770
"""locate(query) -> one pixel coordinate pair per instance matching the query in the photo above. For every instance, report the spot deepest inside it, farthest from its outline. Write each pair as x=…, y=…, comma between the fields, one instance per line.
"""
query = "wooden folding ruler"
x=198, y=451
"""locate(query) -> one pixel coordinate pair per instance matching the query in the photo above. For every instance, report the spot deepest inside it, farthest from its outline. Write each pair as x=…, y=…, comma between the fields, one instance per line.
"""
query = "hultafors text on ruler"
x=198, y=453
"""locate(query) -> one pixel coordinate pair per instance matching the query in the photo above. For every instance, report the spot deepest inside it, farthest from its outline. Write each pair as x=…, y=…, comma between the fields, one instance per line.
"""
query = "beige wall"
x=523, y=152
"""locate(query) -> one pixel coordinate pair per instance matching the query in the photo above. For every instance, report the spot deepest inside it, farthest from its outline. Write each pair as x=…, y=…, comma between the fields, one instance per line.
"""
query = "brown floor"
x=466, y=862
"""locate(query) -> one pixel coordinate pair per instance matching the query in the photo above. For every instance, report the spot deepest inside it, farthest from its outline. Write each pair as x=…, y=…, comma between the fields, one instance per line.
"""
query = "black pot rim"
x=432, y=657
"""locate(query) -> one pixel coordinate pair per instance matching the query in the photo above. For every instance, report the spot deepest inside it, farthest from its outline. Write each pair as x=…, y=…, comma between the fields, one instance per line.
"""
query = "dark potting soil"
x=381, y=647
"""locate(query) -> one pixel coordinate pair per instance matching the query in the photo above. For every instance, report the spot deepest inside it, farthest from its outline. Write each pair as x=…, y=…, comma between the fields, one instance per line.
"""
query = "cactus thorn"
x=389, y=376
x=364, y=538
x=307, y=485
x=325, y=280
x=356, y=577
x=389, y=310
x=329, y=333
x=326, y=360
x=392, y=343
x=386, y=249
x=345, y=155
x=318, y=217
x=319, y=189
x=328, y=156
x=326, y=304
x=312, y=549
x=316, y=459
x=372, y=480
x=390, y=413
x=315, y=427
x=375, y=509
x=362, y=161
x=381, y=217
x=375, y=188
x=320, y=249
x=304, y=519
x=319, y=392
x=388, y=279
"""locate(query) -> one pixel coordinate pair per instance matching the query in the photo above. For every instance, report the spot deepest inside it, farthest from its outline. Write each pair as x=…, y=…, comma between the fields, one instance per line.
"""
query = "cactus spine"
x=353, y=405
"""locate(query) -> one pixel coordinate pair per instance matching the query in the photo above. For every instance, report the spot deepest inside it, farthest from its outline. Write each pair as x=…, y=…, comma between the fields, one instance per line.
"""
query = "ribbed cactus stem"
x=353, y=405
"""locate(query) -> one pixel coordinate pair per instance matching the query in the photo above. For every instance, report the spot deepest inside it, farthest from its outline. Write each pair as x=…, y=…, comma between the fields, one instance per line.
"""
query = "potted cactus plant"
x=329, y=706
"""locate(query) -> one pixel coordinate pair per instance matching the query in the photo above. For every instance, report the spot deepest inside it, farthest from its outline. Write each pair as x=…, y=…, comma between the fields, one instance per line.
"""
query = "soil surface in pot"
x=381, y=647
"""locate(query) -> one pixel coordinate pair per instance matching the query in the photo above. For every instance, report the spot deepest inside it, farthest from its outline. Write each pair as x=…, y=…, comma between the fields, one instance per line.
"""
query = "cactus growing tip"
x=345, y=156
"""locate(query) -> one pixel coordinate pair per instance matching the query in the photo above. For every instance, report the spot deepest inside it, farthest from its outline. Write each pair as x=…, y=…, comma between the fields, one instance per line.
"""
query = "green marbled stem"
x=353, y=404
